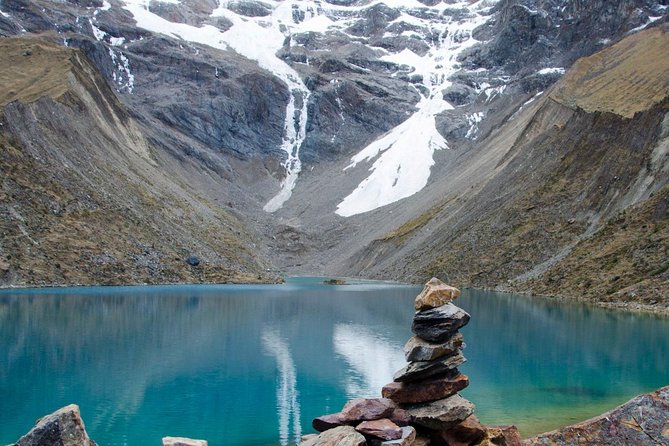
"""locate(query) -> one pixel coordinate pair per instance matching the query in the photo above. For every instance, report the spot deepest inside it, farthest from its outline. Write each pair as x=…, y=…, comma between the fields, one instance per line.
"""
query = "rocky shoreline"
x=659, y=309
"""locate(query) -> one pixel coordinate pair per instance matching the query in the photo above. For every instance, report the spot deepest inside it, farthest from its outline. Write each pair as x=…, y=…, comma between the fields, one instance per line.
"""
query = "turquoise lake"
x=252, y=365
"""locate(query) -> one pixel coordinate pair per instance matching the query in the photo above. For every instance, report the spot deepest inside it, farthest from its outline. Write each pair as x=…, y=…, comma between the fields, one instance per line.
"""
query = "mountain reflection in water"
x=253, y=365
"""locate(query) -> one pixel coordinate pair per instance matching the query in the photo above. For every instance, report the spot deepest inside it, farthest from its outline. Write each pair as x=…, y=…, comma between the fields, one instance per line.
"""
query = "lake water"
x=252, y=365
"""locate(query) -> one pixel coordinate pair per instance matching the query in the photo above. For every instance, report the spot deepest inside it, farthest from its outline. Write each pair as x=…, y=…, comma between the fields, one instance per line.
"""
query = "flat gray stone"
x=417, y=349
x=442, y=414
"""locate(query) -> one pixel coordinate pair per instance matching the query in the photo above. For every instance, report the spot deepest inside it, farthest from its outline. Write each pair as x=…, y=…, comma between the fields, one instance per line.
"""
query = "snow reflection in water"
x=373, y=358
x=287, y=404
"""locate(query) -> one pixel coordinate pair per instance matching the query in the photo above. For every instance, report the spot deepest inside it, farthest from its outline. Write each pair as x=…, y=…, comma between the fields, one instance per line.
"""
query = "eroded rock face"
x=64, y=427
x=643, y=420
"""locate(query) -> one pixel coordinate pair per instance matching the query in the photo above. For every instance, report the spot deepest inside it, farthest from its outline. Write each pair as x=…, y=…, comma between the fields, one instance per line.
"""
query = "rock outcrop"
x=643, y=420
x=422, y=404
x=64, y=427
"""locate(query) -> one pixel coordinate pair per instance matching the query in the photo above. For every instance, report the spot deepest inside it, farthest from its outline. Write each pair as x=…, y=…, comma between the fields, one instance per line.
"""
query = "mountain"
x=491, y=142
x=83, y=199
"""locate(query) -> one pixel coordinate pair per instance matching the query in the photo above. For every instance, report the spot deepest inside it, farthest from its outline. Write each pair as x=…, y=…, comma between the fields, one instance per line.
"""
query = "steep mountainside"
x=575, y=203
x=82, y=198
x=358, y=137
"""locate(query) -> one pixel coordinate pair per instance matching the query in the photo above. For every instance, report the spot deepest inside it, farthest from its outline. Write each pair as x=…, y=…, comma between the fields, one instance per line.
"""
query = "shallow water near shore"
x=252, y=365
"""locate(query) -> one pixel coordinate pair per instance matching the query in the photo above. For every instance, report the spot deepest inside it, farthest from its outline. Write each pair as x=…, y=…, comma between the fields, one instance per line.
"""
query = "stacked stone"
x=422, y=405
x=427, y=388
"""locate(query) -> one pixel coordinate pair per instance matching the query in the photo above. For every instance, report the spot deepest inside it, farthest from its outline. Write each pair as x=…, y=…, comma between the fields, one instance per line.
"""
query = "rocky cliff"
x=83, y=197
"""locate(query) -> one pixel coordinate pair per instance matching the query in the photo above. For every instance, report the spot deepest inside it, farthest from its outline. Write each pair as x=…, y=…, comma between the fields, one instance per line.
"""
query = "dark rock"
x=192, y=260
x=365, y=409
x=383, y=429
x=424, y=391
x=417, y=349
x=439, y=324
x=442, y=414
x=326, y=422
x=250, y=8
x=641, y=421
x=339, y=436
x=64, y=427
x=459, y=94
x=407, y=439
x=417, y=371
x=470, y=431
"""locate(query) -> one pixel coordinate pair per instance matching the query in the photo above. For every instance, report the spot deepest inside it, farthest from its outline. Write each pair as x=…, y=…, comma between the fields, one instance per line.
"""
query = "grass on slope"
x=626, y=78
x=31, y=69
x=626, y=261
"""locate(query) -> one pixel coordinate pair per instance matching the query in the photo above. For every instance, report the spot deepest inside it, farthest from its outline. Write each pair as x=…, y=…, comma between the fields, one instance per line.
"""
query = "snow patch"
x=650, y=21
x=551, y=71
x=473, y=120
x=404, y=156
x=258, y=39
x=125, y=80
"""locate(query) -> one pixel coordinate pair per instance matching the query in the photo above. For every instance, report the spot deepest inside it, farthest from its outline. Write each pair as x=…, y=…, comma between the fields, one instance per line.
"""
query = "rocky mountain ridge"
x=359, y=137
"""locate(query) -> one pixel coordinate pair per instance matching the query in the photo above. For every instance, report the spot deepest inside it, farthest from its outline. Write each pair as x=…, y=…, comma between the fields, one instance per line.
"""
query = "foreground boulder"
x=643, y=420
x=64, y=427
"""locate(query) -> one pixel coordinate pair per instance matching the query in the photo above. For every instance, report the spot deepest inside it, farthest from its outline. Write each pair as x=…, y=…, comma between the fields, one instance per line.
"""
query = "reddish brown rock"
x=339, y=436
x=424, y=391
x=442, y=414
x=417, y=349
x=435, y=294
x=421, y=370
x=439, y=324
x=644, y=420
x=326, y=422
x=383, y=429
x=400, y=417
x=408, y=439
x=365, y=409
x=470, y=431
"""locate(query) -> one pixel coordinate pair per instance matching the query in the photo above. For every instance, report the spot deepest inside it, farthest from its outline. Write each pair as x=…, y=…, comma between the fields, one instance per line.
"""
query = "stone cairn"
x=422, y=405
